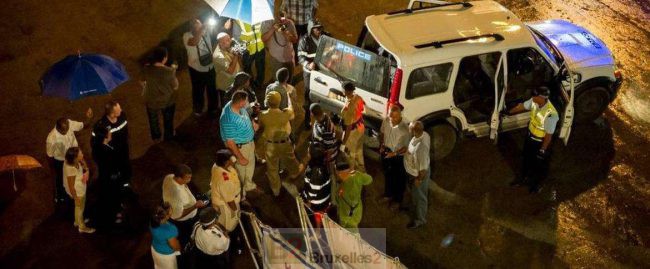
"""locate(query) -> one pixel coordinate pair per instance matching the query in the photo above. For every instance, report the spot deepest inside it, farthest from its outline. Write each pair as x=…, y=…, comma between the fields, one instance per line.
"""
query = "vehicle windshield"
x=548, y=47
x=347, y=62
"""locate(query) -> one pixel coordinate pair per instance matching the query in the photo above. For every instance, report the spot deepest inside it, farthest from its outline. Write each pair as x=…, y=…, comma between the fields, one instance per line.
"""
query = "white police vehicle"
x=456, y=66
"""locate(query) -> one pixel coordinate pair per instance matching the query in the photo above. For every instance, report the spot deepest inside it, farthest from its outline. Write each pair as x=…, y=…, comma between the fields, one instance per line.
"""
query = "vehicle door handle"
x=376, y=100
x=319, y=80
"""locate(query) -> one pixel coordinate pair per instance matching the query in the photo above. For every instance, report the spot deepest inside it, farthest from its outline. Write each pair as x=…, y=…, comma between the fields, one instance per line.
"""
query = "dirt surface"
x=594, y=211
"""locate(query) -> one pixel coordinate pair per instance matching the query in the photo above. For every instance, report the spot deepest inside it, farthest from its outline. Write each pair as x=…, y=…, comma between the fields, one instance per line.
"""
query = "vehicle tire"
x=590, y=103
x=443, y=139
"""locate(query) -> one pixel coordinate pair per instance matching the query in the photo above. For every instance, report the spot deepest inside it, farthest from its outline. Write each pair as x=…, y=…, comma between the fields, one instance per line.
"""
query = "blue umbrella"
x=82, y=75
x=248, y=11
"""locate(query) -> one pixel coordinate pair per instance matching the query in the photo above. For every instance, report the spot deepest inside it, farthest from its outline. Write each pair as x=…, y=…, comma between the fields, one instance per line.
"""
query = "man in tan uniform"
x=276, y=128
x=352, y=114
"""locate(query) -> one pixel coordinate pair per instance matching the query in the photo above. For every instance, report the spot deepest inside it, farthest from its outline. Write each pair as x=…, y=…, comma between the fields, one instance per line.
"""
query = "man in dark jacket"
x=306, y=52
x=110, y=150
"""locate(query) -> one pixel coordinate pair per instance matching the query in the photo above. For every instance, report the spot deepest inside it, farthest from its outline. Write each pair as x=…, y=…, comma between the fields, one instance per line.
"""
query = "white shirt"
x=57, y=144
x=395, y=136
x=205, y=46
x=179, y=197
x=416, y=158
x=211, y=241
x=77, y=173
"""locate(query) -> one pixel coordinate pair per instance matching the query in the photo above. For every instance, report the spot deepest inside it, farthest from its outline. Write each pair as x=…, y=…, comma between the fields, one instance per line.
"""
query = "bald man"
x=417, y=165
x=226, y=63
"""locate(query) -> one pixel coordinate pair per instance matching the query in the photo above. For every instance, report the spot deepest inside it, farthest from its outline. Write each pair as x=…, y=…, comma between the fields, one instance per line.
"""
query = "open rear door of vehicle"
x=567, y=118
x=499, y=98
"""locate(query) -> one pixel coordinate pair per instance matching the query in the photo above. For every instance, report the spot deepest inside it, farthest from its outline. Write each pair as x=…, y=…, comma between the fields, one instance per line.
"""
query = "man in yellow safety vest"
x=251, y=35
x=543, y=120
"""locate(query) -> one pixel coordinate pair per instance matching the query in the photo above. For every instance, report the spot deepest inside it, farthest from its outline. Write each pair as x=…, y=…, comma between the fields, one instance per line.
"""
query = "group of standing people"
x=110, y=152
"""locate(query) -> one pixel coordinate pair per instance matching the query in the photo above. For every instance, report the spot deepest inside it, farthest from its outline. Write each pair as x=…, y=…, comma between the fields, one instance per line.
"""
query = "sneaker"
x=86, y=230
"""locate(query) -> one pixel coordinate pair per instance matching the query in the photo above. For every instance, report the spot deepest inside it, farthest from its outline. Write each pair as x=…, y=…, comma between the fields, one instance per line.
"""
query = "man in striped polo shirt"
x=237, y=131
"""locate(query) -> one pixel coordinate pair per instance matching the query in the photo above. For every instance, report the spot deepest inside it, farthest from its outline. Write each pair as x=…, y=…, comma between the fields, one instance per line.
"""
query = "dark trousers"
x=301, y=30
x=258, y=59
x=57, y=169
x=205, y=261
x=305, y=80
x=395, y=177
x=168, y=121
x=534, y=166
x=185, y=229
x=202, y=82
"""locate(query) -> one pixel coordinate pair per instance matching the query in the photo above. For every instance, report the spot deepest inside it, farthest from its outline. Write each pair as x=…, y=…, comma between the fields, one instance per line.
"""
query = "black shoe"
x=413, y=225
x=535, y=189
x=516, y=183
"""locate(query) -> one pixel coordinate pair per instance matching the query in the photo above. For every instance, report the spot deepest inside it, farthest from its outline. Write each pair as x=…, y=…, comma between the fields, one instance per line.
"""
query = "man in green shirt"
x=348, y=196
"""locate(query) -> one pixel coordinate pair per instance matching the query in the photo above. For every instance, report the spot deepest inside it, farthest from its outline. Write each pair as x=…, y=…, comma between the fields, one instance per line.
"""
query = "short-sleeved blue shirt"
x=237, y=127
x=160, y=236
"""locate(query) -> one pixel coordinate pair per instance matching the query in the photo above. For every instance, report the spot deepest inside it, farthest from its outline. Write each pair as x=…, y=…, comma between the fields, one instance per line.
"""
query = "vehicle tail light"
x=618, y=74
x=395, y=88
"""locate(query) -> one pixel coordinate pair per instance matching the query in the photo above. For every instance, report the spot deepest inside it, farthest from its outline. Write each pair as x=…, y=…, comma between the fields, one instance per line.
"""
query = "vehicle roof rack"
x=438, y=44
x=410, y=10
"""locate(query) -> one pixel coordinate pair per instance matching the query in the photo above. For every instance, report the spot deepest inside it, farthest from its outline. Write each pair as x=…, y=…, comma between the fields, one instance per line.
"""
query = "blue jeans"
x=420, y=200
x=168, y=121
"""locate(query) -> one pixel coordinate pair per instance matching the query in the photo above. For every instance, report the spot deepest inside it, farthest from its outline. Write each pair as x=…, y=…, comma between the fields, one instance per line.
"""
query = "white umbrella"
x=248, y=11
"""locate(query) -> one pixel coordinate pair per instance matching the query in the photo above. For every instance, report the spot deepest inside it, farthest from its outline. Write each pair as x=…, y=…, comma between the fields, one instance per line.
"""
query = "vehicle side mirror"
x=577, y=77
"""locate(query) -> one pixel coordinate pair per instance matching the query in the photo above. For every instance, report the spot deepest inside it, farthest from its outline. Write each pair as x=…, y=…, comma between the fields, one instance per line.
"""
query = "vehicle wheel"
x=590, y=104
x=443, y=140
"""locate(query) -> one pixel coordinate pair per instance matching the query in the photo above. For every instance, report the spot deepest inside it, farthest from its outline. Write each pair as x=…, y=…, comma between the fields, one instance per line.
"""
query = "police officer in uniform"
x=212, y=241
x=276, y=128
x=352, y=114
x=543, y=120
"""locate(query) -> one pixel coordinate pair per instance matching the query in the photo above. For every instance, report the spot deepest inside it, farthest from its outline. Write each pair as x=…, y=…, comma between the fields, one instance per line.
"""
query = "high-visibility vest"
x=254, y=40
x=537, y=118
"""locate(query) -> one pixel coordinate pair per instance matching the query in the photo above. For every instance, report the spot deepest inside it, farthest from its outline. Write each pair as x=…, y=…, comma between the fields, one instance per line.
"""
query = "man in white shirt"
x=183, y=204
x=279, y=37
x=418, y=166
x=211, y=240
x=58, y=141
x=199, y=46
x=393, y=142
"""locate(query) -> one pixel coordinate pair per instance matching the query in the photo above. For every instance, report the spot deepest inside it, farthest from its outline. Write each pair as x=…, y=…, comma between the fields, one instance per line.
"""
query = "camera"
x=283, y=27
x=238, y=47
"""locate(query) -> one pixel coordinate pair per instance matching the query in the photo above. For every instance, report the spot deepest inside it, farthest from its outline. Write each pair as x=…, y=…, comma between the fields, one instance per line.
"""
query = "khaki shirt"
x=276, y=123
x=352, y=110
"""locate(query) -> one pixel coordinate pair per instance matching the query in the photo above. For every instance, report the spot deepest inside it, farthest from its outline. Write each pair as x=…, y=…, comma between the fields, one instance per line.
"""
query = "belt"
x=279, y=141
x=533, y=137
x=242, y=144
